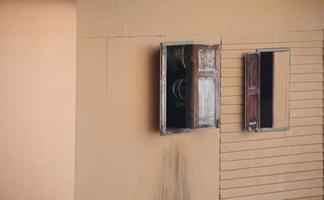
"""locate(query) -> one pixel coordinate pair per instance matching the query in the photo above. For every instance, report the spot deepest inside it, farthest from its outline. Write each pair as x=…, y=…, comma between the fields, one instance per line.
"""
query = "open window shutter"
x=206, y=81
x=189, y=87
x=163, y=93
x=281, y=89
x=252, y=91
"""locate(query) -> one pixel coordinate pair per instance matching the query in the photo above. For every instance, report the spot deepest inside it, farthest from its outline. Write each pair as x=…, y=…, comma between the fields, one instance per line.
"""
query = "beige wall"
x=37, y=99
x=119, y=153
x=182, y=17
x=273, y=165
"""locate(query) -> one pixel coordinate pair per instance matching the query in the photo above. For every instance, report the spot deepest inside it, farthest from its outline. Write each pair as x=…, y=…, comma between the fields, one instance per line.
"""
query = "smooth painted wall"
x=37, y=99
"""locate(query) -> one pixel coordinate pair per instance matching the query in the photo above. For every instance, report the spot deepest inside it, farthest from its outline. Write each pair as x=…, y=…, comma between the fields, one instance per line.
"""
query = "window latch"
x=253, y=126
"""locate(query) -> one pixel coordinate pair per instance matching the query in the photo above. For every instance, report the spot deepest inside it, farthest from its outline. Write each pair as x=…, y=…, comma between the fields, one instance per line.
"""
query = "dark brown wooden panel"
x=252, y=91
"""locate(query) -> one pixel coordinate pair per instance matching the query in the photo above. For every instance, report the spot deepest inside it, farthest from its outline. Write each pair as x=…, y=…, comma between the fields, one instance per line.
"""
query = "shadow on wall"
x=154, y=90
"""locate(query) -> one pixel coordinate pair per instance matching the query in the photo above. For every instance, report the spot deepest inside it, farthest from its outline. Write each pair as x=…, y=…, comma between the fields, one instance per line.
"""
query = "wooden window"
x=189, y=87
x=267, y=90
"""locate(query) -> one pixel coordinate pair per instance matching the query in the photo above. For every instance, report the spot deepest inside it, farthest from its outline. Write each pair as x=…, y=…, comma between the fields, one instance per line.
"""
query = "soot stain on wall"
x=174, y=181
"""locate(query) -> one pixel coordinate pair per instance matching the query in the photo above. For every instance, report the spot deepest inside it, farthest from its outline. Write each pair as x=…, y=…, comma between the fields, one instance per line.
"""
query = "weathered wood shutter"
x=163, y=93
x=206, y=86
x=252, y=91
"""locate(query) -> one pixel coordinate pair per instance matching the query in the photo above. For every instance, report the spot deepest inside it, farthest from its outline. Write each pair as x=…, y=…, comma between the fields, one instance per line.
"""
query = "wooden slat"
x=307, y=86
x=271, y=143
x=306, y=95
x=306, y=60
x=297, y=78
x=306, y=68
x=233, y=62
x=315, y=103
x=278, y=187
x=309, y=198
x=232, y=81
x=261, y=162
x=232, y=100
x=235, y=127
x=234, y=113
x=306, y=51
x=263, y=153
x=293, y=131
x=306, y=121
x=231, y=118
x=232, y=72
x=232, y=91
x=312, y=44
x=281, y=89
x=283, y=195
x=306, y=112
x=276, y=178
x=269, y=170
x=232, y=109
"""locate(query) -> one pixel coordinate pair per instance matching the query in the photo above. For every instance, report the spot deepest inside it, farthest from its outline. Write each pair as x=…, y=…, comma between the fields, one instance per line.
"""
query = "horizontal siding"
x=273, y=165
x=309, y=198
x=268, y=161
x=294, y=112
x=313, y=103
x=293, y=131
x=294, y=87
x=278, y=187
x=272, y=152
x=298, y=193
x=270, y=143
x=272, y=179
x=310, y=86
x=294, y=78
x=270, y=170
x=235, y=72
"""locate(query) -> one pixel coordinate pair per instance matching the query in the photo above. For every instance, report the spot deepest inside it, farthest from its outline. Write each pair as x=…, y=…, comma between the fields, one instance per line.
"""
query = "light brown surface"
x=120, y=154
x=274, y=165
x=37, y=100
x=281, y=89
x=134, y=162
x=182, y=17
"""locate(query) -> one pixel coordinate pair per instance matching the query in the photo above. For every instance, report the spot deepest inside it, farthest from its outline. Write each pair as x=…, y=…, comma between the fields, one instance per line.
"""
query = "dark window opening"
x=266, y=90
x=178, y=69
